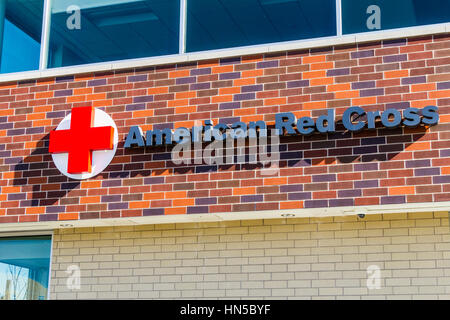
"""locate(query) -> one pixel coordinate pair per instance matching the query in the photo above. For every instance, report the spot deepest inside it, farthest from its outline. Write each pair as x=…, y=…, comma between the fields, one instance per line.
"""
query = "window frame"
x=20, y=234
x=182, y=56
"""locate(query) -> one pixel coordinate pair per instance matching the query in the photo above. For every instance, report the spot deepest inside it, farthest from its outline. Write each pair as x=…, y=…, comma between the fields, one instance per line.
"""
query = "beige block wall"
x=295, y=258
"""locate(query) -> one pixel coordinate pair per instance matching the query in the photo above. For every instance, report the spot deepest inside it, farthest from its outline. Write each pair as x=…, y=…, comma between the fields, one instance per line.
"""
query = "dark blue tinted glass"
x=20, y=24
x=215, y=24
x=85, y=31
x=372, y=15
x=24, y=268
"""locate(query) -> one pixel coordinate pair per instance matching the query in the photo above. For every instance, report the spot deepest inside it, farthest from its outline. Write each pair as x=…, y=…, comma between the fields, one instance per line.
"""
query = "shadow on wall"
x=38, y=176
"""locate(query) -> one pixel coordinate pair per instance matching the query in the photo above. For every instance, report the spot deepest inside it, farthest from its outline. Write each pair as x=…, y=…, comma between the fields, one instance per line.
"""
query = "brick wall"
x=368, y=168
x=302, y=258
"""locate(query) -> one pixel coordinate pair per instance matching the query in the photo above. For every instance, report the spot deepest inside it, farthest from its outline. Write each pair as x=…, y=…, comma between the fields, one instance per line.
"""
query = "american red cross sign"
x=81, y=139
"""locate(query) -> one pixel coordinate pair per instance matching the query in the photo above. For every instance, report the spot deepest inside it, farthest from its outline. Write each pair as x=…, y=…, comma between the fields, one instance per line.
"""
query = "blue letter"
x=412, y=118
x=182, y=135
x=280, y=124
x=305, y=125
x=347, y=119
x=330, y=122
x=134, y=136
x=371, y=116
x=430, y=115
x=397, y=118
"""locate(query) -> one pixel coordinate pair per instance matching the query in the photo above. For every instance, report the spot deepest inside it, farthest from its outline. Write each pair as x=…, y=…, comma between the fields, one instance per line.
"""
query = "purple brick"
x=200, y=72
x=267, y=64
x=14, y=160
x=162, y=126
x=365, y=150
x=372, y=92
x=363, y=85
x=229, y=105
x=186, y=80
x=324, y=178
x=15, y=132
x=299, y=196
x=414, y=80
x=136, y=106
x=361, y=184
x=373, y=140
x=69, y=185
x=316, y=203
x=394, y=43
x=349, y=193
x=244, y=96
x=48, y=217
x=230, y=120
x=398, y=105
x=153, y=212
x=291, y=155
x=143, y=99
x=200, y=86
x=56, y=114
x=97, y=82
x=299, y=163
x=153, y=180
x=162, y=156
x=117, y=206
x=112, y=198
x=427, y=172
x=395, y=58
x=55, y=209
x=10, y=125
x=63, y=93
x=298, y=84
x=205, y=201
x=114, y=183
x=441, y=179
x=362, y=54
x=444, y=153
x=205, y=169
x=366, y=166
x=34, y=130
x=137, y=78
x=393, y=200
x=418, y=163
x=291, y=188
x=229, y=75
x=228, y=61
x=64, y=79
x=443, y=85
x=17, y=196
x=341, y=202
x=252, y=198
x=338, y=72
x=252, y=88
x=199, y=209
x=29, y=203
x=3, y=119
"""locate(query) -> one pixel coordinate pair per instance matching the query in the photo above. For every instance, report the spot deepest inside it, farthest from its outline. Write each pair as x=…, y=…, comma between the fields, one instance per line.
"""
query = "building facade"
x=351, y=212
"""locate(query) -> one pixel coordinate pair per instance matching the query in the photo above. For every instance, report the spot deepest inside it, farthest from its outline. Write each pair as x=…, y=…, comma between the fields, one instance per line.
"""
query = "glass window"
x=215, y=24
x=24, y=268
x=20, y=25
x=372, y=15
x=86, y=31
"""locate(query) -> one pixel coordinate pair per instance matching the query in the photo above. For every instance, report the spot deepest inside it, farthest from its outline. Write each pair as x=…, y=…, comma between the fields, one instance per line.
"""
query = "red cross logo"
x=81, y=139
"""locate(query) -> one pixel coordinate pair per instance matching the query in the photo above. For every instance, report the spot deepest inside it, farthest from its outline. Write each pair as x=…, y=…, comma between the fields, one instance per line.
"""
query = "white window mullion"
x=45, y=37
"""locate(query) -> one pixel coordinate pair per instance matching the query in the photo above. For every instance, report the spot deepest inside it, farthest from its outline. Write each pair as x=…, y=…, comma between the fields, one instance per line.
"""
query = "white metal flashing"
x=7, y=228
